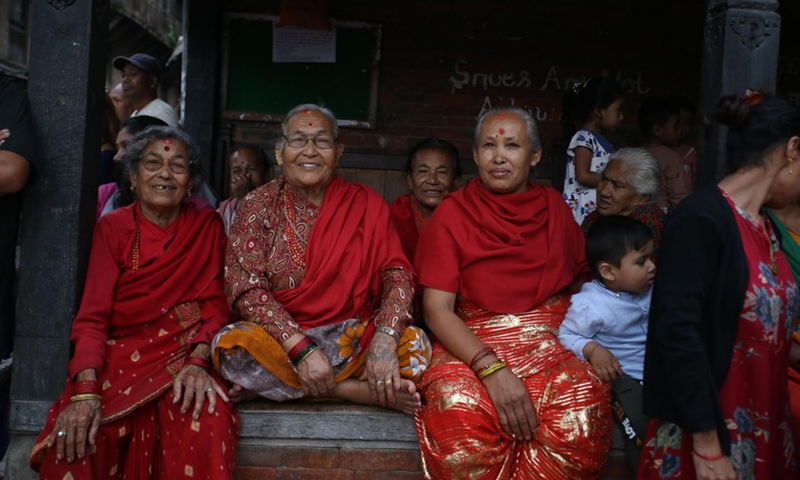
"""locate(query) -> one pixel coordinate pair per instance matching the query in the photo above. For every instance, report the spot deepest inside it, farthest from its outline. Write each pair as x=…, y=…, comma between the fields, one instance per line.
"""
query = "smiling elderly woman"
x=153, y=300
x=316, y=271
x=629, y=186
x=432, y=171
x=502, y=397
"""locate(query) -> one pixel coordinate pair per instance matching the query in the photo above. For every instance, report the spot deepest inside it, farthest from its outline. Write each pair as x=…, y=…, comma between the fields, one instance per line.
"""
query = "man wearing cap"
x=140, y=74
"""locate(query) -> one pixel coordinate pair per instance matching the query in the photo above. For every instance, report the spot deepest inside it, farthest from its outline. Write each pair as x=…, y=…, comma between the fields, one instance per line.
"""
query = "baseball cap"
x=142, y=61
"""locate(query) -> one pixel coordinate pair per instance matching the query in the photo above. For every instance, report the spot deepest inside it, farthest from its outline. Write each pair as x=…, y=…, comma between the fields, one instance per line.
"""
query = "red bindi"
x=501, y=131
x=166, y=148
x=502, y=116
x=310, y=124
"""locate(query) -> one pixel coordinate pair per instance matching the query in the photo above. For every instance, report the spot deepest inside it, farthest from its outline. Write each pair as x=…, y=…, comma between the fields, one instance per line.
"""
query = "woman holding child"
x=724, y=300
x=502, y=397
x=317, y=273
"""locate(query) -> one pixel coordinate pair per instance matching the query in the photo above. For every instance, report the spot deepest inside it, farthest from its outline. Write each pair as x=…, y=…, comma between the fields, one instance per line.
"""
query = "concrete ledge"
x=325, y=424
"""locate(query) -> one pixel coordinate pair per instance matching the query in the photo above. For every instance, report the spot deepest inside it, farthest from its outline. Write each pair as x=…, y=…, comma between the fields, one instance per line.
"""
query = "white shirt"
x=161, y=110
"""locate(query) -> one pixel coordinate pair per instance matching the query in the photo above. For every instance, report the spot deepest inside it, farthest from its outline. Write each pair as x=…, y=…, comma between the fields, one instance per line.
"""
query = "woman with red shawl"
x=432, y=171
x=502, y=397
x=141, y=401
x=316, y=272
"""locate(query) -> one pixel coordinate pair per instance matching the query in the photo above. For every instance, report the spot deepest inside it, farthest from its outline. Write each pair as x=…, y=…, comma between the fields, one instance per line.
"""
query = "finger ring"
x=379, y=383
x=61, y=433
x=388, y=381
x=209, y=389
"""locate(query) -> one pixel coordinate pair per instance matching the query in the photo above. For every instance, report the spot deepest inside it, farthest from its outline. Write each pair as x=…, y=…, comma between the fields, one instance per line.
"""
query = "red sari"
x=510, y=257
x=754, y=396
x=345, y=274
x=409, y=219
x=135, y=329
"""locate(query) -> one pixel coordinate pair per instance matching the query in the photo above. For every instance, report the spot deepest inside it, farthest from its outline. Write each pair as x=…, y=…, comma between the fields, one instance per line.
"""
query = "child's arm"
x=583, y=165
x=603, y=361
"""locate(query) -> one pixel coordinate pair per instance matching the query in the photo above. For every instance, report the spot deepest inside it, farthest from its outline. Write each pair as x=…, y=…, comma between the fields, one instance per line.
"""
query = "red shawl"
x=128, y=326
x=351, y=243
x=506, y=253
x=402, y=214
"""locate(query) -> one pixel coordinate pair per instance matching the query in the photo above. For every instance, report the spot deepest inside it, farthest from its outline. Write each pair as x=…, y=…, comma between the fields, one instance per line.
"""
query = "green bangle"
x=305, y=353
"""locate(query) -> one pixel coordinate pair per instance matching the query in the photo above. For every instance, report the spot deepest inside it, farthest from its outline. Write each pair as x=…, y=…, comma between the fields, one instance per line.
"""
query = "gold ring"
x=388, y=381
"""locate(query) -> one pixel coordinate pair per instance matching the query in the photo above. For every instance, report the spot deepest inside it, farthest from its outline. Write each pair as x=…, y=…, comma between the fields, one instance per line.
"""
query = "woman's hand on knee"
x=316, y=374
x=382, y=371
x=195, y=385
x=513, y=403
x=75, y=425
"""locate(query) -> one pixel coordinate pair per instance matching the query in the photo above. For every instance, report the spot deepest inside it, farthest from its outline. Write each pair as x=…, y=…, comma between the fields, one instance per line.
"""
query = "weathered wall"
x=443, y=62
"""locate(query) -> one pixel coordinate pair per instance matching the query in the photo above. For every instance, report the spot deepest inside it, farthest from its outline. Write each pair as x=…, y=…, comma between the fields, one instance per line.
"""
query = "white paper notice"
x=300, y=45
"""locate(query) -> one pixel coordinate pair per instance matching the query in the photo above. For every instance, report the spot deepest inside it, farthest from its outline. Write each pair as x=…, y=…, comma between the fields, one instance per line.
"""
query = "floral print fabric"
x=754, y=395
x=580, y=198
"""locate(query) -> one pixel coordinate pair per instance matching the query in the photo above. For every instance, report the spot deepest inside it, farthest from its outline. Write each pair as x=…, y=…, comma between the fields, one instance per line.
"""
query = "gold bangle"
x=490, y=369
x=85, y=396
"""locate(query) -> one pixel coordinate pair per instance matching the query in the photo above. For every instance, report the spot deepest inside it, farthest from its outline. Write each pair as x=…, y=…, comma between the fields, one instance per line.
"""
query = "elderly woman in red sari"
x=316, y=271
x=502, y=398
x=432, y=171
x=141, y=400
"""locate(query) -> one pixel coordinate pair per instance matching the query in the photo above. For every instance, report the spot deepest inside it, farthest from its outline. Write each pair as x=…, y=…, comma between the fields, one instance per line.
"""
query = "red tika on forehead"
x=310, y=124
x=167, y=141
x=501, y=131
x=307, y=110
x=166, y=148
x=502, y=116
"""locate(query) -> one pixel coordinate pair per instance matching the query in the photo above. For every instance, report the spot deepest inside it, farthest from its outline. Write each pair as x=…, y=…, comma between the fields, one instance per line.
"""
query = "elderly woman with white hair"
x=317, y=274
x=629, y=186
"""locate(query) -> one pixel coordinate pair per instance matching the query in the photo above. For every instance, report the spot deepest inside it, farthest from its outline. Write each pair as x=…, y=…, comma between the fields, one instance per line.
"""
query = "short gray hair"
x=530, y=124
x=151, y=134
x=308, y=107
x=642, y=169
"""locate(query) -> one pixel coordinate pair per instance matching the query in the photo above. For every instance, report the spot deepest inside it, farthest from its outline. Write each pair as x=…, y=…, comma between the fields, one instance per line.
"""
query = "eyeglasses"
x=323, y=142
x=153, y=164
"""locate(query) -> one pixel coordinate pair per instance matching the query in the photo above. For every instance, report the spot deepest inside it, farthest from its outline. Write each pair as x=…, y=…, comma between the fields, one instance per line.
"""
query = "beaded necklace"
x=294, y=241
x=135, y=253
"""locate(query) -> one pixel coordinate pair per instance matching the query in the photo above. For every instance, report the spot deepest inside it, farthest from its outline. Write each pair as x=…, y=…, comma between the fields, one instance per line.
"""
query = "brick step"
x=309, y=440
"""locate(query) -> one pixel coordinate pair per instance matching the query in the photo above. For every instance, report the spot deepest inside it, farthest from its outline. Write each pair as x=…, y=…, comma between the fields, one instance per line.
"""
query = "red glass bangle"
x=299, y=347
x=481, y=353
x=707, y=458
x=197, y=362
x=86, y=387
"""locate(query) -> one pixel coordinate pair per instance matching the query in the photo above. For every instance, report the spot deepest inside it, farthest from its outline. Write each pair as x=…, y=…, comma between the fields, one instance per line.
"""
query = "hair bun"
x=732, y=111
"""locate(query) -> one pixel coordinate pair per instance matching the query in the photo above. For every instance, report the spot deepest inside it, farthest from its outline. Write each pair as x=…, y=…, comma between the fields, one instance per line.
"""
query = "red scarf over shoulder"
x=403, y=217
x=506, y=253
x=350, y=245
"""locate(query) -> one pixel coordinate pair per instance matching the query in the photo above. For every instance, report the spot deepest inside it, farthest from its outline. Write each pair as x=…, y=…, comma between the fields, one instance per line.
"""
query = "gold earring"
x=278, y=157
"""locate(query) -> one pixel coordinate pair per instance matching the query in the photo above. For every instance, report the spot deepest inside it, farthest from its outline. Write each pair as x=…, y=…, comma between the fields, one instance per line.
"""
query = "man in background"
x=140, y=75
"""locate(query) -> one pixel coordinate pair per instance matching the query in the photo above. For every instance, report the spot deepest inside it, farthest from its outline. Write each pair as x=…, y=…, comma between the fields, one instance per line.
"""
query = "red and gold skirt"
x=459, y=431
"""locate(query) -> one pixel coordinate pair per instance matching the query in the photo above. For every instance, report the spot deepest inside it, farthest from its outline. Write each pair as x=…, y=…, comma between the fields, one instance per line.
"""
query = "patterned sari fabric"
x=333, y=272
x=460, y=434
x=135, y=327
x=754, y=394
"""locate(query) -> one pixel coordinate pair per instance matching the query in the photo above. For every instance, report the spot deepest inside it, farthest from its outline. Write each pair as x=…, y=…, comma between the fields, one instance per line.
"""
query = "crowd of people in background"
x=515, y=323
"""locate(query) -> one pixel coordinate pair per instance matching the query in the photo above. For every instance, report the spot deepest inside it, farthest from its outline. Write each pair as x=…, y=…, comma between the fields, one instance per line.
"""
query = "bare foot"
x=407, y=399
x=239, y=394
